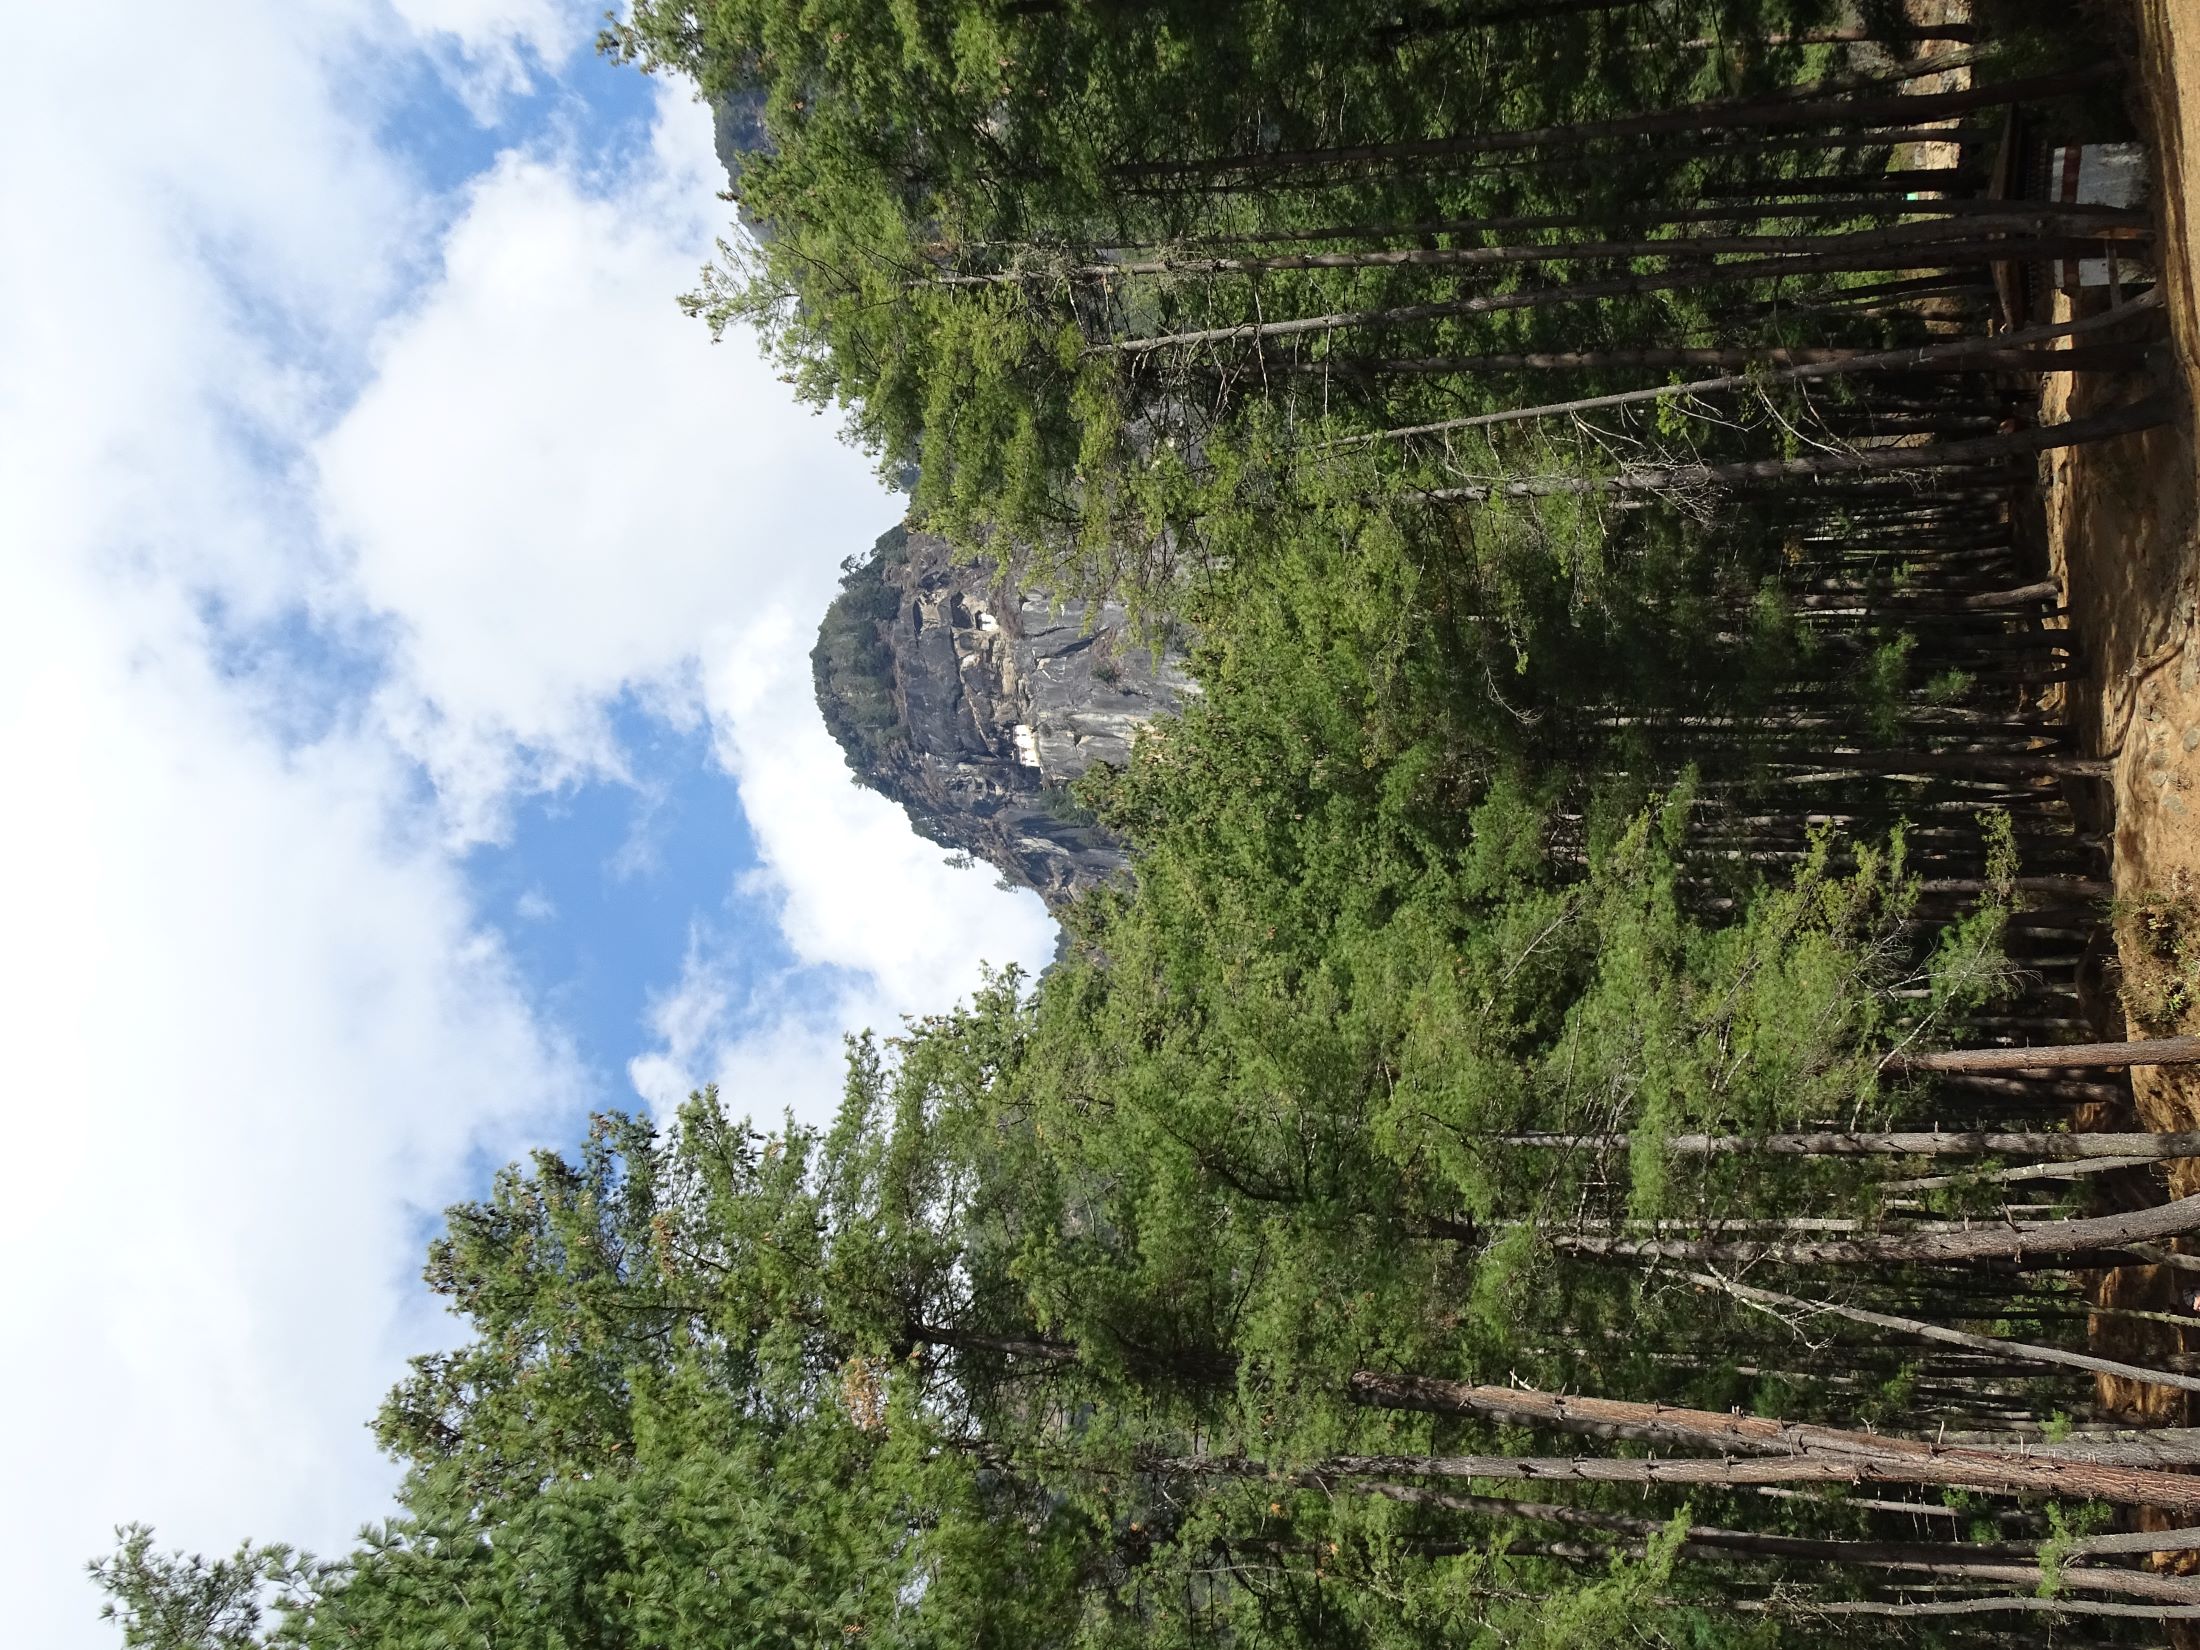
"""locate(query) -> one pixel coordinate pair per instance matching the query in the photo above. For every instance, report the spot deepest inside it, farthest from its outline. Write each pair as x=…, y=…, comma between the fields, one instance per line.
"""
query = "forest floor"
x=2122, y=532
x=2124, y=539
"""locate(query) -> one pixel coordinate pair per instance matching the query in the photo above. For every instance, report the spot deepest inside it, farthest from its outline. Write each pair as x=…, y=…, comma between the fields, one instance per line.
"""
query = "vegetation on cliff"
x=852, y=665
x=1478, y=1185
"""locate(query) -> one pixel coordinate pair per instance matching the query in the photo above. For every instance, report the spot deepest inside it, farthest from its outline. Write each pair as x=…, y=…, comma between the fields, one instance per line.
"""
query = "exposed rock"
x=974, y=705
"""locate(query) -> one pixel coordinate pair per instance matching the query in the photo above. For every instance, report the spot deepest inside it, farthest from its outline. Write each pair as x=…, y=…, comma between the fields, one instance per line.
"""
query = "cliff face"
x=974, y=706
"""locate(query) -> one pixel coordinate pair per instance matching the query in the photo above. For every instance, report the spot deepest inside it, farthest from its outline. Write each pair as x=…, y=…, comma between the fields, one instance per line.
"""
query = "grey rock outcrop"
x=975, y=705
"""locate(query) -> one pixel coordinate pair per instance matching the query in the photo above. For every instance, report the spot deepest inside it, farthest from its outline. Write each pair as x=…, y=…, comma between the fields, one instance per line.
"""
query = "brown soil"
x=2152, y=720
x=2120, y=519
x=2121, y=532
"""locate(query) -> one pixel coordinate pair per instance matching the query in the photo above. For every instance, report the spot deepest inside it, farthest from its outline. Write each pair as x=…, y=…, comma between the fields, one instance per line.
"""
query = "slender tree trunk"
x=2152, y=1051
x=1891, y=181
x=1911, y=358
x=2139, y=415
x=1991, y=356
x=2040, y=221
x=1987, y=1475
x=1614, y=286
x=1652, y=217
x=1904, y=32
x=2022, y=764
x=1756, y=114
x=1948, y=1564
x=2022, y=1172
x=2054, y=1355
x=2015, y=1604
x=2037, y=1244
x=1887, y=1459
x=1418, y=22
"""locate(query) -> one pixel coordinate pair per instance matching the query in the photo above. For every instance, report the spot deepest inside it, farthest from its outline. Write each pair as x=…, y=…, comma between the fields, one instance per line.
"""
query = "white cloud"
x=558, y=495
x=544, y=27
x=254, y=1026
x=255, y=1022
x=858, y=888
x=489, y=50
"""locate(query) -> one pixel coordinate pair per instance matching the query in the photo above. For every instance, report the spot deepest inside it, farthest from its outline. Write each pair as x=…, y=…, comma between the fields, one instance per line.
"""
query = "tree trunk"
x=1616, y=286
x=1759, y=114
x=2023, y=1603
x=1948, y=1564
x=2153, y=1051
x=1892, y=181
x=2040, y=220
x=1943, y=356
x=1950, y=1337
x=1824, y=1453
x=1956, y=1469
x=1651, y=217
x=2022, y=1172
x=2020, y=1245
x=1991, y=356
x=2138, y=415
x=1427, y=20
x=1786, y=1546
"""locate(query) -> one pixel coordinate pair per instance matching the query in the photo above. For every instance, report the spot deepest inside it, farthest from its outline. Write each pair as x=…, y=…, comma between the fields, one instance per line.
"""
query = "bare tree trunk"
x=1963, y=33
x=2022, y=1603
x=1418, y=22
x=1651, y=217
x=1949, y=1337
x=1755, y=114
x=2139, y=415
x=2039, y=220
x=2022, y=1172
x=1936, y=255
x=2063, y=1147
x=1883, y=1459
x=1892, y=181
x=1952, y=1468
x=1786, y=1546
x=2152, y=1051
x=2017, y=1244
x=1964, y=350
x=1991, y=356
x=1948, y=1564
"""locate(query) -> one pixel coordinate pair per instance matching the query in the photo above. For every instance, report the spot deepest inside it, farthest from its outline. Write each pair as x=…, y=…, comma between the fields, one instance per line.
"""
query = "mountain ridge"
x=976, y=705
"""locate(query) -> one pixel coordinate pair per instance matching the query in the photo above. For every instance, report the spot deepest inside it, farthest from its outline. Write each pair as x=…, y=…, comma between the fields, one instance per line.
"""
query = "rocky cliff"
x=974, y=705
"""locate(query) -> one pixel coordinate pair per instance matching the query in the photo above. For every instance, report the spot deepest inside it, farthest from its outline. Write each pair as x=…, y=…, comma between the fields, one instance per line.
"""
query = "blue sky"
x=604, y=889
x=403, y=678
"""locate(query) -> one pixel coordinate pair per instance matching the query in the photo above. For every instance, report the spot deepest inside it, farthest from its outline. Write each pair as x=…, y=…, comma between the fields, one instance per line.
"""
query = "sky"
x=404, y=620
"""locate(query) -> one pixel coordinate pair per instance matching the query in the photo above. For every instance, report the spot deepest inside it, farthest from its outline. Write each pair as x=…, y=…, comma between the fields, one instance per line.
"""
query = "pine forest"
x=1603, y=1113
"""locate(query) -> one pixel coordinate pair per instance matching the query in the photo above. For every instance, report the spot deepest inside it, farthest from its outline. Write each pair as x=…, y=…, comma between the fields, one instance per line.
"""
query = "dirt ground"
x=2121, y=531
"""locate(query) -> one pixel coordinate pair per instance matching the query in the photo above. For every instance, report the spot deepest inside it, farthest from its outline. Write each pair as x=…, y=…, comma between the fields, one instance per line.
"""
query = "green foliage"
x=852, y=665
x=1521, y=825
